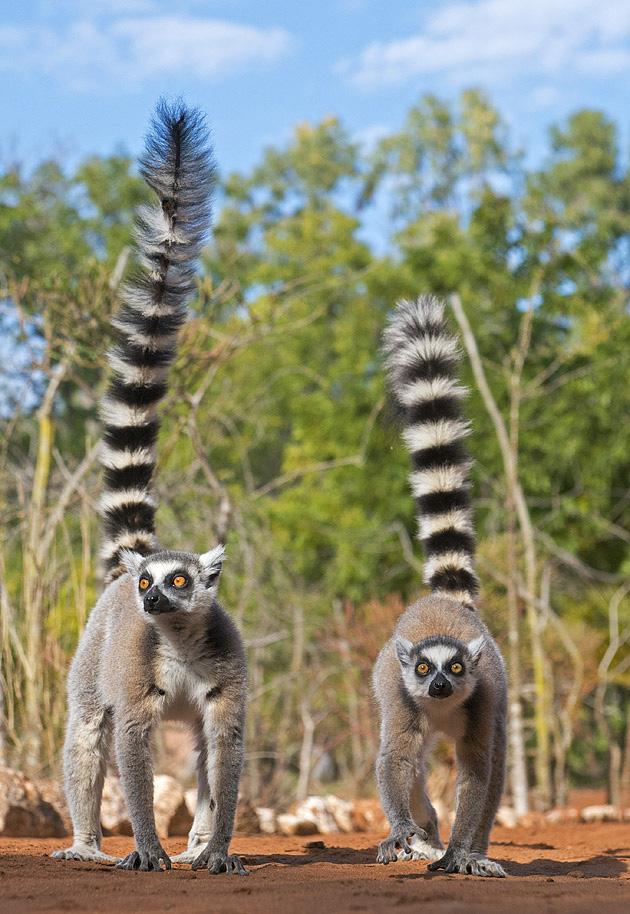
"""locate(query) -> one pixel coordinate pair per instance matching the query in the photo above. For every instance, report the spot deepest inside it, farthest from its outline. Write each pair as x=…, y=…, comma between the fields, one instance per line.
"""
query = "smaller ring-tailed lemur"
x=157, y=644
x=441, y=671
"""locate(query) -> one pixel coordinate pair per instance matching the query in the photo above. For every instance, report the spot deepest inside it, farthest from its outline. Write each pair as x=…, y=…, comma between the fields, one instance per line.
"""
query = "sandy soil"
x=577, y=868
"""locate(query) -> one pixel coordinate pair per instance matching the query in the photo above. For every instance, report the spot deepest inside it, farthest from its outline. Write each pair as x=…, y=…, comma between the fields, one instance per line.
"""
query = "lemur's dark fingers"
x=130, y=862
x=383, y=854
x=234, y=866
x=200, y=862
x=406, y=848
x=388, y=850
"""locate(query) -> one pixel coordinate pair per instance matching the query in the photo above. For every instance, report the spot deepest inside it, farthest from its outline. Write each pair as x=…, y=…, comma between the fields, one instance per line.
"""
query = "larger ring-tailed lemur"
x=157, y=644
x=441, y=671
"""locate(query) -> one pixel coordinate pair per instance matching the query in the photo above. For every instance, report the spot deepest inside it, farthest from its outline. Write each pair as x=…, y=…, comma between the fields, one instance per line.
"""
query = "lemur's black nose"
x=155, y=602
x=440, y=687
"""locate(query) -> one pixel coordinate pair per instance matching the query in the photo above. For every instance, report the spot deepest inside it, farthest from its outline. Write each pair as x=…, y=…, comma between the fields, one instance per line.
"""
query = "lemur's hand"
x=219, y=861
x=389, y=849
x=147, y=859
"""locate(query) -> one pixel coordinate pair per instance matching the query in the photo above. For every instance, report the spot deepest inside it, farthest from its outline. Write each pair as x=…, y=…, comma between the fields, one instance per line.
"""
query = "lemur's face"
x=174, y=582
x=439, y=668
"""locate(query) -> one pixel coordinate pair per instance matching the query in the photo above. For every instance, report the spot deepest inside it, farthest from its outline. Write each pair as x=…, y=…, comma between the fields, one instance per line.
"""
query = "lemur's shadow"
x=608, y=865
x=602, y=866
x=340, y=855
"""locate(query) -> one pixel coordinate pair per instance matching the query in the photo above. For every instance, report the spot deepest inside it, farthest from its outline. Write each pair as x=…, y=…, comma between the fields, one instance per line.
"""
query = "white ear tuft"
x=475, y=648
x=212, y=564
x=131, y=560
x=404, y=648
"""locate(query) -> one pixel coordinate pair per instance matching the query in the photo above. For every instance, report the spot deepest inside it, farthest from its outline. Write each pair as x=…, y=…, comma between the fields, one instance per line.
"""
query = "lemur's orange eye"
x=180, y=581
x=144, y=583
x=456, y=668
x=422, y=669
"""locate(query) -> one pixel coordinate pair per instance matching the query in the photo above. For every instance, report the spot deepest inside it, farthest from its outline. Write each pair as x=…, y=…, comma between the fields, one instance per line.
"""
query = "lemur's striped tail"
x=422, y=359
x=177, y=164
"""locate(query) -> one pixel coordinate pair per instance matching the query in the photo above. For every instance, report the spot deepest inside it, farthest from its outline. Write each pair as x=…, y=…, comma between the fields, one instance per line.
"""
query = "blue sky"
x=81, y=76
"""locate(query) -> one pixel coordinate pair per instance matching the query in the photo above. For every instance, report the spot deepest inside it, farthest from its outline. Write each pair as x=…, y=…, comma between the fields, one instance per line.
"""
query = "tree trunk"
x=352, y=697
x=33, y=621
x=306, y=751
x=33, y=571
x=518, y=766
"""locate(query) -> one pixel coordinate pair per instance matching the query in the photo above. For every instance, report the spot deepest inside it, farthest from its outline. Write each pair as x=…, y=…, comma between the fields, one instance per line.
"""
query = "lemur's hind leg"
x=86, y=751
x=200, y=832
x=425, y=816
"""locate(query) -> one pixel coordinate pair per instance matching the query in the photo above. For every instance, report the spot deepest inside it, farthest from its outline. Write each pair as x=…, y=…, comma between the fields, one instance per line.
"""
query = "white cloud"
x=129, y=50
x=545, y=97
x=494, y=39
x=368, y=137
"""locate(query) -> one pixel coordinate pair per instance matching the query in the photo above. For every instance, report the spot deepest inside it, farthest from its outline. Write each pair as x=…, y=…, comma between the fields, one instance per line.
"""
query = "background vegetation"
x=277, y=433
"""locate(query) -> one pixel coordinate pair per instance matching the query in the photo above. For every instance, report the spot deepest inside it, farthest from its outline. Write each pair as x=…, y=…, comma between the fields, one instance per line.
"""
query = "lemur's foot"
x=422, y=850
x=84, y=852
x=219, y=862
x=398, y=845
x=187, y=856
x=190, y=854
x=459, y=861
x=146, y=859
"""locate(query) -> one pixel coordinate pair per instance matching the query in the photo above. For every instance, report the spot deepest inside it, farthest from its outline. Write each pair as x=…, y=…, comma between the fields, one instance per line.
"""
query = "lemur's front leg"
x=223, y=727
x=473, y=783
x=399, y=763
x=133, y=753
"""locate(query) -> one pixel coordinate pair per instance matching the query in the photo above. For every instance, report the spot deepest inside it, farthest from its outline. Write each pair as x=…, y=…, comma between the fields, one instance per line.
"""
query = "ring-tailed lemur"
x=157, y=644
x=441, y=671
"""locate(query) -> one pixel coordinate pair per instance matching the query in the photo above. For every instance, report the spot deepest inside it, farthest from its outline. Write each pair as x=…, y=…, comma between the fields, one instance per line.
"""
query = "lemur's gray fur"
x=441, y=672
x=157, y=643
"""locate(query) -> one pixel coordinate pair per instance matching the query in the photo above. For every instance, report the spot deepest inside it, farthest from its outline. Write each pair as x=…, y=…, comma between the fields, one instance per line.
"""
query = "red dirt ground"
x=576, y=868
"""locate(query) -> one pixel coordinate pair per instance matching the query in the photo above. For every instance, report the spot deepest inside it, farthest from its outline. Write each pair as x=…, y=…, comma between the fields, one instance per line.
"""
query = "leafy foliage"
x=277, y=431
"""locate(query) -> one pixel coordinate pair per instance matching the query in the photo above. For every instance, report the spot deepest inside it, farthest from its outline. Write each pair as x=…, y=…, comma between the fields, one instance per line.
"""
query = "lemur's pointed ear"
x=212, y=565
x=404, y=648
x=131, y=560
x=475, y=649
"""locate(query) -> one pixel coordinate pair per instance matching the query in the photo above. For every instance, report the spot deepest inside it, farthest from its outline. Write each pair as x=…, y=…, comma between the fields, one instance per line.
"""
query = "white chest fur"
x=184, y=674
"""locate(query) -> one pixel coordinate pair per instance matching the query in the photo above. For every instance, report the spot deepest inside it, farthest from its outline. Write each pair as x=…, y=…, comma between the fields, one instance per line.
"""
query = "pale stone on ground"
x=24, y=810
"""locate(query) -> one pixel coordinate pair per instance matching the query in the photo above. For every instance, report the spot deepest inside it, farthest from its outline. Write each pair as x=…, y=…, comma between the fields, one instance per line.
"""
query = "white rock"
x=506, y=817
x=341, y=811
x=266, y=819
x=114, y=815
x=290, y=824
x=24, y=811
x=604, y=813
x=172, y=816
x=562, y=814
x=317, y=810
